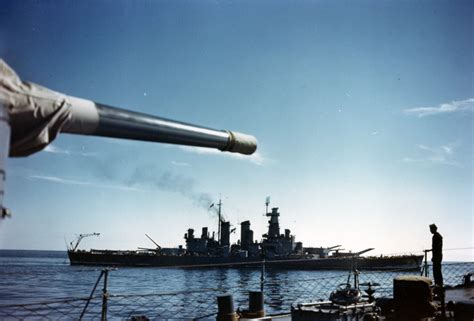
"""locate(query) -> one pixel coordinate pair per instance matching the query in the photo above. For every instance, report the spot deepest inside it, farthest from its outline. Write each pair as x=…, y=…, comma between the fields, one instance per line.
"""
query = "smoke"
x=169, y=182
x=130, y=171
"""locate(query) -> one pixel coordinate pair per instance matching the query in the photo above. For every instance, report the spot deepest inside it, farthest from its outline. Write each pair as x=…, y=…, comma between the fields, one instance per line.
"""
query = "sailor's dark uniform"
x=437, y=248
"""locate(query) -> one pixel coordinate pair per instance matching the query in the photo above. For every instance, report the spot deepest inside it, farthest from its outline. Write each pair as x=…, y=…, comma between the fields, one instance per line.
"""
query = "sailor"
x=437, y=257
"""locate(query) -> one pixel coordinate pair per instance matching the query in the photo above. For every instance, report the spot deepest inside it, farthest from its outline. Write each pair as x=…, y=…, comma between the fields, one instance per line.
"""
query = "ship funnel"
x=225, y=233
x=246, y=235
x=190, y=233
x=204, y=234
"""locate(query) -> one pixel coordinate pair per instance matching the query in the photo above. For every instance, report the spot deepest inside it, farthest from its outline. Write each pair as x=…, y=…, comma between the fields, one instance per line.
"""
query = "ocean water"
x=32, y=276
x=40, y=276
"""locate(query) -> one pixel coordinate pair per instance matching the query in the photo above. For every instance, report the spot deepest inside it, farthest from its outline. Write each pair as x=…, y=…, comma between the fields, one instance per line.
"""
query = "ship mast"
x=219, y=224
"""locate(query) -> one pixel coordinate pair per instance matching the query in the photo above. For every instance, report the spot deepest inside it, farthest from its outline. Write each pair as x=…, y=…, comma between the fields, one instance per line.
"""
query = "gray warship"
x=277, y=250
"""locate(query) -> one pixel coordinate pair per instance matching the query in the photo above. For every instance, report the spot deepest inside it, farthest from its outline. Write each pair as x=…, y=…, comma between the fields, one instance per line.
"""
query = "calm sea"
x=38, y=276
x=32, y=276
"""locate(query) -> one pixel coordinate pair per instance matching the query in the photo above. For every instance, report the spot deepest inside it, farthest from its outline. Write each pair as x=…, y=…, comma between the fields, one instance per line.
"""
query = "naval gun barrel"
x=90, y=118
x=36, y=115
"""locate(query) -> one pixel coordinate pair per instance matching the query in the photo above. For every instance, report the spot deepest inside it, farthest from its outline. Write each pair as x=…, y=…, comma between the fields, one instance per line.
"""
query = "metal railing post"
x=105, y=296
x=91, y=295
x=425, y=266
x=4, y=150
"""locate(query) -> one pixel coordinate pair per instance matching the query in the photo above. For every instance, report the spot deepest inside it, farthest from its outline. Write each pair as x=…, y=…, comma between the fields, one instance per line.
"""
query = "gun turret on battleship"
x=36, y=115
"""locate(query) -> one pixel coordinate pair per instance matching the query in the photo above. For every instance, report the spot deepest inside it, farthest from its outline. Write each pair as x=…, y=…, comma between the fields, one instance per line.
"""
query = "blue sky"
x=363, y=112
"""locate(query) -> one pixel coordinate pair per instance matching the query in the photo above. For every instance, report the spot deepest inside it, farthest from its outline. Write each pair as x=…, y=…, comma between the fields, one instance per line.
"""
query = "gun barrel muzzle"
x=90, y=118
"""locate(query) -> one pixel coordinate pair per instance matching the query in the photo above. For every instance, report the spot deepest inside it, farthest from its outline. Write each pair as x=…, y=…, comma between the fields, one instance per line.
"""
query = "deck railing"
x=201, y=303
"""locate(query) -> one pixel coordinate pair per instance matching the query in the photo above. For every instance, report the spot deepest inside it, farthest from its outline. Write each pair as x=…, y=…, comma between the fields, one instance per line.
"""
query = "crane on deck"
x=74, y=247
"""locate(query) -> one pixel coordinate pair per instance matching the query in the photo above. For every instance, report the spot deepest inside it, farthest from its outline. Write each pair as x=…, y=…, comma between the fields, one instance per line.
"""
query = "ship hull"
x=126, y=258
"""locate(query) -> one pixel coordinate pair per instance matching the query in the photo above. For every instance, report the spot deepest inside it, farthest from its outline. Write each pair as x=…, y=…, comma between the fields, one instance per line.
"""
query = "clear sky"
x=363, y=112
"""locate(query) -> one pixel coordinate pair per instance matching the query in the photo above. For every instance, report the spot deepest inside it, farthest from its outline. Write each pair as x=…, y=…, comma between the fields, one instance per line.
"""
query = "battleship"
x=275, y=249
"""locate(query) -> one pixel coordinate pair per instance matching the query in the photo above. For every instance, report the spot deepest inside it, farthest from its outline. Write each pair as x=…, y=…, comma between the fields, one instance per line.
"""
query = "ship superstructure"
x=273, y=244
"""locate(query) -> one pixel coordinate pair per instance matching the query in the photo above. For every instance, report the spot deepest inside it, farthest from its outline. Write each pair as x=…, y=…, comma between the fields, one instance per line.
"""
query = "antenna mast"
x=267, y=202
x=219, y=225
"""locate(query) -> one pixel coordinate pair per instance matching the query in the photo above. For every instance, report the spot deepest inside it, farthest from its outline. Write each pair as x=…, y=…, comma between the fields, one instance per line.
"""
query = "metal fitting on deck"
x=225, y=308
